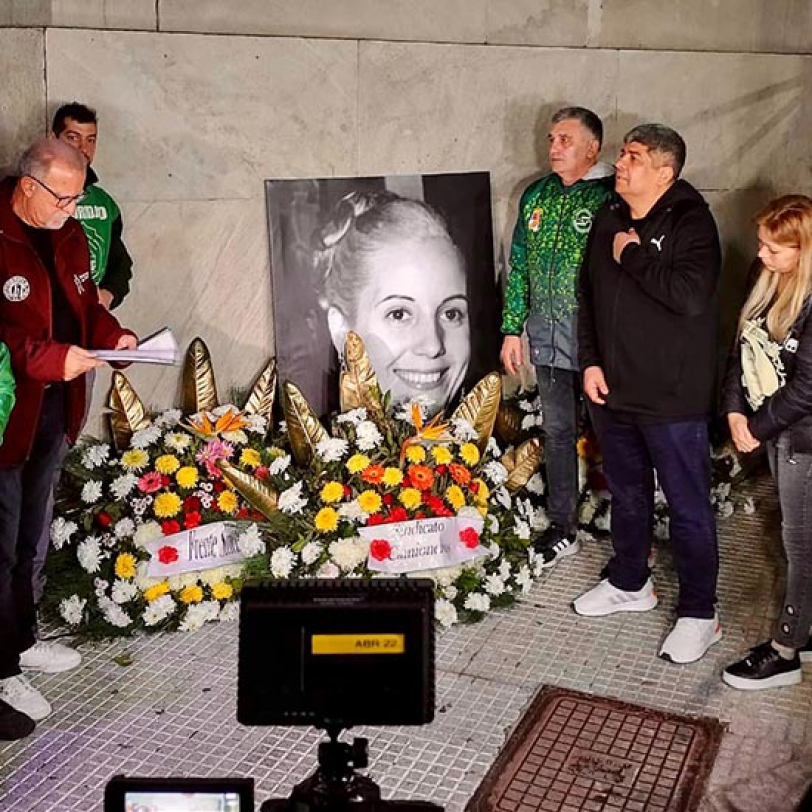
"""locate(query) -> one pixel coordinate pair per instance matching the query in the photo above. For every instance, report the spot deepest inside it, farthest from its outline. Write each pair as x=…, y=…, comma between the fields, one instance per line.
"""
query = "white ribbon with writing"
x=422, y=544
x=200, y=548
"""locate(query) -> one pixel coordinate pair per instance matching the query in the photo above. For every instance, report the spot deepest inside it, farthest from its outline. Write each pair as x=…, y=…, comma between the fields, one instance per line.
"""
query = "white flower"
x=207, y=487
x=282, y=561
x=524, y=579
x=283, y=426
x=61, y=531
x=445, y=612
x=279, y=465
x=493, y=448
x=463, y=430
x=223, y=408
x=351, y=511
x=250, y=542
x=206, y=499
x=217, y=574
x=495, y=472
x=100, y=586
x=91, y=492
x=170, y=418
x=95, y=455
x=535, y=484
x=89, y=554
x=144, y=438
x=493, y=524
x=494, y=585
x=182, y=580
x=311, y=552
x=114, y=614
x=522, y=529
x=123, y=484
x=72, y=609
x=367, y=435
x=332, y=449
x=725, y=509
x=328, y=570
x=230, y=612
x=257, y=423
x=291, y=500
x=444, y=576
x=237, y=437
x=450, y=592
x=586, y=512
x=503, y=498
x=477, y=602
x=529, y=405
x=124, y=528
x=468, y=512
x=504, y=569
x=123, y=591
x=748, y=506
x=177, y=441
x=603, y=522
x=148, y=531
x=159, y=610
x=199, y=613
x=140, y=506
x=354, y=416
x=348, y=553
x=530, y=420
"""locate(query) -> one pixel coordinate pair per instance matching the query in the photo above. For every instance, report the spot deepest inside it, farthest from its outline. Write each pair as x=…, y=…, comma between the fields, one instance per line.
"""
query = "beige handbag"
x=762, y=369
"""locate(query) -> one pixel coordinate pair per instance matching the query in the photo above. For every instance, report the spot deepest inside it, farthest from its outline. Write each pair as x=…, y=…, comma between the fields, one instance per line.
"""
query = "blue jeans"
x=793, y=477
x=680, y=454
x=559, y=391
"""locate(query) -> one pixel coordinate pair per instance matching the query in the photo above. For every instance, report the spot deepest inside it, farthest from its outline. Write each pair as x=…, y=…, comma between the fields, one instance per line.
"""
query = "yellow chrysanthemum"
x=191, y=594
x=167, y=464
x=410, y=498
x=326, y=520
x=483, y=510
x=135, y=459
x=125, y=565
x=483, y=492
x=469, y=453
x=332, y=492
x=416, y=453
x=442, y=456
x=357, y=462
x=221, y=591
x=186, y=477
x=227, y=502
x=455, y=496
x=166, y=505
x=155, y=591
x=250, y=458
x=392, y=477
x=369, y=501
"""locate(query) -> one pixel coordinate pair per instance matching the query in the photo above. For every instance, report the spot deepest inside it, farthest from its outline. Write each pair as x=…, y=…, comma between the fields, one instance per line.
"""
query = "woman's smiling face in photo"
x=413, y=317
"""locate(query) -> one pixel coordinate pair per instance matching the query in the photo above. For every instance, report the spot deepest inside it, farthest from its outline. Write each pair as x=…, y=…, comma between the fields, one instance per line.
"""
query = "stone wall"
x=200, y=101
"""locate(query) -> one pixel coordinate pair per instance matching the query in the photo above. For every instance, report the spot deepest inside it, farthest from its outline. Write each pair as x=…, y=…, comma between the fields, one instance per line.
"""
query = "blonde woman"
x=768, y=399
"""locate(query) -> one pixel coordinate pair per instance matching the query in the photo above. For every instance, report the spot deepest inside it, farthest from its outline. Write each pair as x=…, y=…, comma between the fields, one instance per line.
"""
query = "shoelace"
x=761, y=654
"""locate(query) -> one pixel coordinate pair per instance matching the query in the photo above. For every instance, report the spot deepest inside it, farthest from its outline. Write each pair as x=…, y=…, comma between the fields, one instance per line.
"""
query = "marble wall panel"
x=744, y=117
x=22, y=91
x=25, y=12
x=539, y=22
x=123, y=14
x=419, y=20
x=202, y=268
x=206, y=117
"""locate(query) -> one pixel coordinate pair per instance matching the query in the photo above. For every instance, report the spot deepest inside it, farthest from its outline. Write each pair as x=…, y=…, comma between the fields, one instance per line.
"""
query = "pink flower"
x=211, y=452
x=470, y=538
x=151, y=482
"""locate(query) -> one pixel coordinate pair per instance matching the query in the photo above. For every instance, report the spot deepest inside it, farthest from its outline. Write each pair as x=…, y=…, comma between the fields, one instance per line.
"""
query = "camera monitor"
x=335, y=653
x=179, y=795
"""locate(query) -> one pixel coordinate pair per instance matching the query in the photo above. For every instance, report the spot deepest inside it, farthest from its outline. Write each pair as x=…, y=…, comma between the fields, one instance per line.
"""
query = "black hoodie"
x=650, y=321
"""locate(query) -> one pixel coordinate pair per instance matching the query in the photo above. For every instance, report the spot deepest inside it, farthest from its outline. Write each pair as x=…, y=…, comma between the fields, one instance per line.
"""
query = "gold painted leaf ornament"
x=304, y=428
x=358, y=387
x=127, y=412
x=508, y=425
x=260, y=496
x=199, y=387
x=479, y=407
x=263, y=394
x=522, y=463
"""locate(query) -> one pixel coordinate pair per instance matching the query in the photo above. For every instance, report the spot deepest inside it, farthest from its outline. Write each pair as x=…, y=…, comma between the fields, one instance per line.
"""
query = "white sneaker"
x=690, y=638
x=51, y=658
x=605, y=599
x=24, y=697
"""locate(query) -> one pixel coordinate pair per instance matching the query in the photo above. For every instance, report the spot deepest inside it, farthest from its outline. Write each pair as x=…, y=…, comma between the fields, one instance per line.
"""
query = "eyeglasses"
x=62, y=201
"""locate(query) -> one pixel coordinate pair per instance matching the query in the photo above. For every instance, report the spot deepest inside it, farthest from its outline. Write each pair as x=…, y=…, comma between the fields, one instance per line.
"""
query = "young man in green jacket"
x=554, y=219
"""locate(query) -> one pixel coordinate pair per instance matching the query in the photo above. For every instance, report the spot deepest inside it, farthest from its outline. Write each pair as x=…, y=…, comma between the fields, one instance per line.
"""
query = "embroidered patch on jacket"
x=582, y=221
x=534, y=223
x=16, y=289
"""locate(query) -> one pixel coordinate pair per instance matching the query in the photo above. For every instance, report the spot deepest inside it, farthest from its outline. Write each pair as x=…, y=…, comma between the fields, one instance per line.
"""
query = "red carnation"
x=191, y=520
x=167, y=554
x=191, y=504
x=441, y=470
x=388, y=499
x=399, y=514
x=420, y=515
x=219, y=486
x=474, y=487
x=380, y=549
x=262, y=472
x=469, y=537
x=347, y=491
x=104, y=519
x=374, y=519
x=170, y=526
x=165, y=481
x=443, y=512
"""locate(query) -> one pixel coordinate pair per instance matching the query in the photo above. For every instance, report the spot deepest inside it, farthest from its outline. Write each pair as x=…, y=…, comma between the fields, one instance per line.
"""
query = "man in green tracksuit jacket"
x=554, y=219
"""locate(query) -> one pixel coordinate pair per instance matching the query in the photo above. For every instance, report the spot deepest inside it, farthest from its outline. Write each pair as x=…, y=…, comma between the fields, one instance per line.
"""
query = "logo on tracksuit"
x=16, y=289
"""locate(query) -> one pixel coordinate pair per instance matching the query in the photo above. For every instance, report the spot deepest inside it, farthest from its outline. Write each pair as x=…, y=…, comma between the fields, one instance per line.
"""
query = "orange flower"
x=459, y=473
x=421, y=476
x=373, y=474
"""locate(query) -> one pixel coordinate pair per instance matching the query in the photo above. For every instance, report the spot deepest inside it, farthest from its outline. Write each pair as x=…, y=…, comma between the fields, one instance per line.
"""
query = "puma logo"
x=658, y=242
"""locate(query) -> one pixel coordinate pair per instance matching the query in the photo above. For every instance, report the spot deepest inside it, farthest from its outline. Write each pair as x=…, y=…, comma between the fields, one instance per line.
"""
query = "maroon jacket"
x=25, y=323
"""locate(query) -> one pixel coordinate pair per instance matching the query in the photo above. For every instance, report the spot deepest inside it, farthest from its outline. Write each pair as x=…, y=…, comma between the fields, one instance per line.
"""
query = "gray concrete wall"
x=195, y=114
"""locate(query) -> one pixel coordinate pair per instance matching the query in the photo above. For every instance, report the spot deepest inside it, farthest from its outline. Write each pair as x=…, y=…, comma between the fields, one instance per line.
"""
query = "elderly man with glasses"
x=49, y=316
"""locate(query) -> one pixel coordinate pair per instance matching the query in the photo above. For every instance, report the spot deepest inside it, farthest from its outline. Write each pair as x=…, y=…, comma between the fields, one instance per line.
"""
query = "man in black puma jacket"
x=647, y=349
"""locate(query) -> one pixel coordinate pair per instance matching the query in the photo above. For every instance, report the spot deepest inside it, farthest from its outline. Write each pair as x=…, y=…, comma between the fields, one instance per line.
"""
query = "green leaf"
x=124, y=659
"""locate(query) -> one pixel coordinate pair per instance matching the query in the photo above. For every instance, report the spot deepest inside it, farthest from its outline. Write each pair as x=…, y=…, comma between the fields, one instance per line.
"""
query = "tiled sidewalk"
x=172, y=712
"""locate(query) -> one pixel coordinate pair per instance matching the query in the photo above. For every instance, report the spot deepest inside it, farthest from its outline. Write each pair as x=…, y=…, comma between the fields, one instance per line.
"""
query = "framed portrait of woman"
x=405, y=261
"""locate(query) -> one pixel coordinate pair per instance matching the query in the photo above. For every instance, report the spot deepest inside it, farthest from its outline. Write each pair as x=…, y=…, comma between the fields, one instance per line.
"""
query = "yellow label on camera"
x=358, y=644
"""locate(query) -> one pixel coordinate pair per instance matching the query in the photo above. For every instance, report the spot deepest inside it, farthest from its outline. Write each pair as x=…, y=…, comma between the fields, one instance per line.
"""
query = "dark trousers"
x=793, y=476
x=24, y=493
x=559, y=391
x=680, y=454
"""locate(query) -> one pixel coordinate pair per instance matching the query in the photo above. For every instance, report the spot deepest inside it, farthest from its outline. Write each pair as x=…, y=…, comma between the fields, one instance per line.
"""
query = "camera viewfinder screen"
x=182, y=802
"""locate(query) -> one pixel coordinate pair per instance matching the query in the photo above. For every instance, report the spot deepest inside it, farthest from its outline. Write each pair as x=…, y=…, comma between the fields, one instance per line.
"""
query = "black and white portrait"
x=404, y=261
